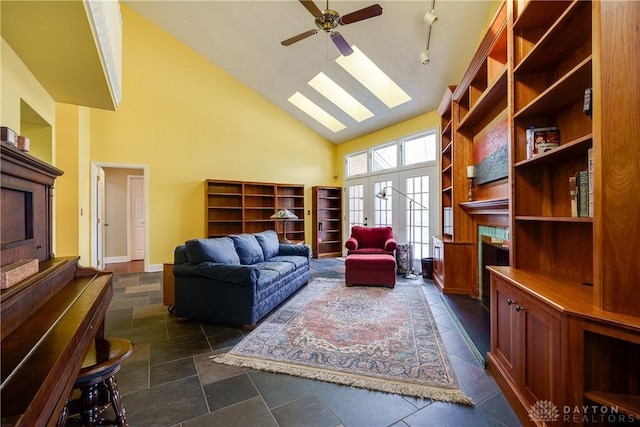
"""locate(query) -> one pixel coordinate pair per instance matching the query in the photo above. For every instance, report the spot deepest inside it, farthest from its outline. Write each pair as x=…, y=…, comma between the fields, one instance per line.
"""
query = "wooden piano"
x=48, y=320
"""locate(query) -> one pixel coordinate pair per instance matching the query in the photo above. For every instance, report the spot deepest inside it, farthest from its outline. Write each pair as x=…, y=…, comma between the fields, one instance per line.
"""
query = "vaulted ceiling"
x=243, y=38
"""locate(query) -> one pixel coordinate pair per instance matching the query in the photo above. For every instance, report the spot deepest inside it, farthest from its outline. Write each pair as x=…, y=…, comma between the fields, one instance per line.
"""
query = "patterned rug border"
x=344, y=378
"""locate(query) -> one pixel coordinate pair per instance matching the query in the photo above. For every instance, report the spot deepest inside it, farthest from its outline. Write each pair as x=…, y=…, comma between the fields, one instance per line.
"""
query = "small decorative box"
x=24, y=143
x=8, y=135
x=17, y=271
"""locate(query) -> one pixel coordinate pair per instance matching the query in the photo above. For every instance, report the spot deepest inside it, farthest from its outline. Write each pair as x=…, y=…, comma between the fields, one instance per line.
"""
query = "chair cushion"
x=248, y=248
x=220, y=250
x=268, y=241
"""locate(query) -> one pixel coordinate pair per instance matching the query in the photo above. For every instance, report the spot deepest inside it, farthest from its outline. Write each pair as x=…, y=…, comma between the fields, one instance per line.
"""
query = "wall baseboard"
x=155, y=268
x=114, y=259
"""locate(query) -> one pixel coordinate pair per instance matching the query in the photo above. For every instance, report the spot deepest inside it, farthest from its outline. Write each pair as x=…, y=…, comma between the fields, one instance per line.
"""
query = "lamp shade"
x=284, y=214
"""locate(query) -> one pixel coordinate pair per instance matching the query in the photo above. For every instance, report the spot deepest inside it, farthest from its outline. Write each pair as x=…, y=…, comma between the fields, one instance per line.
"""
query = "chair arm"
x=351, y=244
x=229, y=273
x=390, y=244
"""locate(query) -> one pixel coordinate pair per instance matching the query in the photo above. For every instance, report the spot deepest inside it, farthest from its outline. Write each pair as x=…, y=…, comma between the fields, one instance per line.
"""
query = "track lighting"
x=430, y=18
x=424, y=57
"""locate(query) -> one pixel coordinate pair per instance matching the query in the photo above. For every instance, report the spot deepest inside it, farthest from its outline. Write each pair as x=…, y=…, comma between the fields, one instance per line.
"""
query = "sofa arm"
x=229, y=273
x=351, y=244
x=295, y=249
x=390, y=244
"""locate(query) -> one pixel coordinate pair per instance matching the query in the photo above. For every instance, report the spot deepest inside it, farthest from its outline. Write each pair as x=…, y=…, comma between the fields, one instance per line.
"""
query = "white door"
x=422, y=215
x=136, y=217
x=100, y=216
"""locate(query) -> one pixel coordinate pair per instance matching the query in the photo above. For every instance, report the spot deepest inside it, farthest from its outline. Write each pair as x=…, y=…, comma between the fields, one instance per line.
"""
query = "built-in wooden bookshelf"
x=327, y=222
x=565, y=321
x=233, y=207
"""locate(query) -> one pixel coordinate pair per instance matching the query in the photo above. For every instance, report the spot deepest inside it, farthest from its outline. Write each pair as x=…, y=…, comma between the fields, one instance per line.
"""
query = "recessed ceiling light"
x=309, y=107
x=336, y=94
x=373, y=78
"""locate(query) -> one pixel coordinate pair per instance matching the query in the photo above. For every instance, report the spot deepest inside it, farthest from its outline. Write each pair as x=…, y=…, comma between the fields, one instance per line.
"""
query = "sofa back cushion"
x=220, y=249
x=268, y=241
x=248, y=248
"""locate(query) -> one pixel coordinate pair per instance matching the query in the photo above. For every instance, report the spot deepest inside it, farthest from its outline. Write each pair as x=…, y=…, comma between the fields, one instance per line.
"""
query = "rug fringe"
x=427, y=392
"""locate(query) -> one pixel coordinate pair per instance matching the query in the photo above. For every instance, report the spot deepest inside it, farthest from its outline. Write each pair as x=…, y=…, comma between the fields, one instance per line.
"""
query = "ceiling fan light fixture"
x=341, y=43
x=430, y=17
x=424, y=57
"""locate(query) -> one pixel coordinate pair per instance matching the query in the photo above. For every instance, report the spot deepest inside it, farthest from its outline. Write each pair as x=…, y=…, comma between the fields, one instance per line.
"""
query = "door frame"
x=94, y=208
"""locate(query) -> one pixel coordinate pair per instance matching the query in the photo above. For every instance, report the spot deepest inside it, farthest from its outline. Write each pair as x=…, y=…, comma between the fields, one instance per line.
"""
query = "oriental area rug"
x=369, y=337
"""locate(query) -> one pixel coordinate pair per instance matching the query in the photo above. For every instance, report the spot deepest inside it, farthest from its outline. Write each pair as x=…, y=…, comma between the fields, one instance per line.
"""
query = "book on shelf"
x=590, y=181
x=573, y=195
x=582, y=182
x=541, y=140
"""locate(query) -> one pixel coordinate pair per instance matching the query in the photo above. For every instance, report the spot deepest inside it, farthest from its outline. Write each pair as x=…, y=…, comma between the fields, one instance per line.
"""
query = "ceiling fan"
x=328, y=19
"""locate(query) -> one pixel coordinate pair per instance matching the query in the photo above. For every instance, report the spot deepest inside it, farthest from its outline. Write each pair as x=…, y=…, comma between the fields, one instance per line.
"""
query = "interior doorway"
x=125, y=234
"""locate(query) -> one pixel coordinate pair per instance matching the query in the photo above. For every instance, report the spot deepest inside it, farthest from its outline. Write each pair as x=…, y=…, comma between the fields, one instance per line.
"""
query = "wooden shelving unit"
x=327, y=222
x=233, y=207
x=572, y=283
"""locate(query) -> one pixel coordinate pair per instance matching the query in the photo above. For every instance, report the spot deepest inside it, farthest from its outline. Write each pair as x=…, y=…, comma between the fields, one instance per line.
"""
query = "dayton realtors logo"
x=546, y=412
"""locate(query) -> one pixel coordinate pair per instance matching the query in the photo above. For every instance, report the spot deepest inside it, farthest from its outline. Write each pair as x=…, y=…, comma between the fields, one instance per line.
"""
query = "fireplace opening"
x=493, y=249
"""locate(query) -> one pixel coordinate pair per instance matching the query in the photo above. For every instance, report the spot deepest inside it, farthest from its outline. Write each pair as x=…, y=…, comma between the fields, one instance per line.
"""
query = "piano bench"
x=97, y=384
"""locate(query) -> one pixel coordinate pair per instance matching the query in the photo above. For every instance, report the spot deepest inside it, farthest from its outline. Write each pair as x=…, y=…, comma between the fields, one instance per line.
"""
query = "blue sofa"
x=237, y=279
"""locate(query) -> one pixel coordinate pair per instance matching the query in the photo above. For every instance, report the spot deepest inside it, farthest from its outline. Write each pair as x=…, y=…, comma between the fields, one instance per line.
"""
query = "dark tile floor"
x=169, y=379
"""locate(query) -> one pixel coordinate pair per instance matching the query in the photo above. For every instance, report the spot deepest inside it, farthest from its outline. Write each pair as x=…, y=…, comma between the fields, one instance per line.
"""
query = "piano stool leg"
x=64, y=415
x=90, y=411
x=116, y=402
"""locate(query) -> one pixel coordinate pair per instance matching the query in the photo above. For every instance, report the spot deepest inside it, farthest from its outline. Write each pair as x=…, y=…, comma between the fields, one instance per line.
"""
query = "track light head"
x=430, y=18
x=424, y=57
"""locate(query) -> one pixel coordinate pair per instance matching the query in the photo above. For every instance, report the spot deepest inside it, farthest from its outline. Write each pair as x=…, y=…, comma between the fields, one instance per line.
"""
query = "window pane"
x=357, y=163
x=418, y=149
x=385, y=157
x=382, y=207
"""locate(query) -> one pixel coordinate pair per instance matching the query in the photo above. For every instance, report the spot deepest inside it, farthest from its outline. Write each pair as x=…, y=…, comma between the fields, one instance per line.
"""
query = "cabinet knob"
x=509, y=302
x=519, y=308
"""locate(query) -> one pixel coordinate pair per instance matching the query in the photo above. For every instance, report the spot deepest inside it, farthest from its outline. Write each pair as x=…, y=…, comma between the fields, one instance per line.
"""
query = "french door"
x=410, y=205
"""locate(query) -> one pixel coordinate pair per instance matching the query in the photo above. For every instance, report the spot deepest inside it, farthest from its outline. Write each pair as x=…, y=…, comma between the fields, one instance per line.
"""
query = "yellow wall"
x=19, y=84
x=188, y=120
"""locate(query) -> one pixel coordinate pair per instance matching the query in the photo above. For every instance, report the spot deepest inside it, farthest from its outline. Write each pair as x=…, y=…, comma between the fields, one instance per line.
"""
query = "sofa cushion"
x=268, y=241
x=283, y=268
x=220, y=250
x=297, y=261
x=248, y=248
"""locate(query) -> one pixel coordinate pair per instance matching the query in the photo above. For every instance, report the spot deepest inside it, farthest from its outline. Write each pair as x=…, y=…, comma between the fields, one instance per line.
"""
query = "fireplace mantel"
x=486, y=207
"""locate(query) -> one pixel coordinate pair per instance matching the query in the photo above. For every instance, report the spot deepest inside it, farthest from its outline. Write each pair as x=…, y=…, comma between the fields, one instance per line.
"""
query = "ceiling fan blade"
x=299, y=37
x=311, y=7
x=341, y=43
x=362, y=14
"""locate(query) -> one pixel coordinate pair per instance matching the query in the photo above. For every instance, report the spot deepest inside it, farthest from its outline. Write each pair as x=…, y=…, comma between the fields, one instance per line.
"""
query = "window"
x=420, y=148
x=357, y=163
x=385, y=157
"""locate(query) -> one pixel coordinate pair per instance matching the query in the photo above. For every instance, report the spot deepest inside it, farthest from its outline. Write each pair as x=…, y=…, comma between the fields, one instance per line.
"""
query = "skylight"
x=336, y=94
x=309, y=107
x=373, y=78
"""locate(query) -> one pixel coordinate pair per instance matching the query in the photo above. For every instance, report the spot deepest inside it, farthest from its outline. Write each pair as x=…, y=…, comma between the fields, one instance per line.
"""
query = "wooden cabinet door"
x=438, y=262
x=538, y=349
x=503, y=325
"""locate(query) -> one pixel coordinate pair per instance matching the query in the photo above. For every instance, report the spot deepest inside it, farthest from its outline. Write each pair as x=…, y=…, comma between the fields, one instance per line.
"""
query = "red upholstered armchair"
x=371, y=240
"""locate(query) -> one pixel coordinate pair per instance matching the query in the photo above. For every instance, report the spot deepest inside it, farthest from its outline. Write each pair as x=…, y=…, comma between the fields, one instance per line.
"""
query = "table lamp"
x=283, y=215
